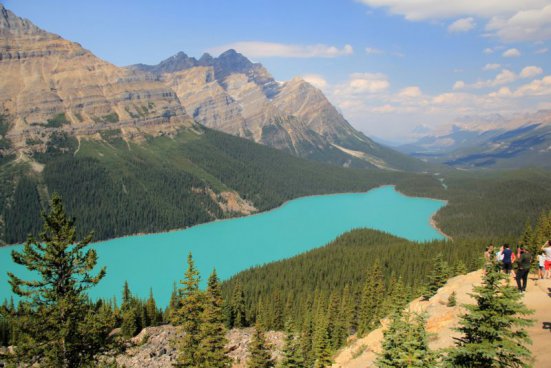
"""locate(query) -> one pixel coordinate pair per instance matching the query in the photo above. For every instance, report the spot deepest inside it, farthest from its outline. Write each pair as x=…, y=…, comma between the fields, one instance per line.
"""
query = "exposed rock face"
x=48, y=83
x=234, y=95
x=153, y=347
x=50, y=86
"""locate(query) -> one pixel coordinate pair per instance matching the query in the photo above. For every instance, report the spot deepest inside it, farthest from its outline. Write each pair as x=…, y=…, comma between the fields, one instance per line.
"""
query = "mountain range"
x=50, y=86
x=130, y=149
x=492, y=141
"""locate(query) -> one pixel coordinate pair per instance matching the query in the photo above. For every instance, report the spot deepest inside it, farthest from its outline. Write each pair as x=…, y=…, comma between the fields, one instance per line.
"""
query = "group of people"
x=522, y=258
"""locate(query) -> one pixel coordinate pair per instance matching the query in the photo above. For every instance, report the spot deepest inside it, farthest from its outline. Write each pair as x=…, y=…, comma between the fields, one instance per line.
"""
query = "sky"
x=394, y=68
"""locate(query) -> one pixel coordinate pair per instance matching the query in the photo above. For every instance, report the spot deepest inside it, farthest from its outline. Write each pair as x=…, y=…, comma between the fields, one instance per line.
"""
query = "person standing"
x=507, y=261
x=547, y=265
x=541, y=264
x=523, y=263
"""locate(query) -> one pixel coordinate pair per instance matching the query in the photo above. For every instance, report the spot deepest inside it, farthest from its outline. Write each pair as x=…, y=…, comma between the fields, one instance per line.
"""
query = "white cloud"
x=272, y=49
x=373, y=51
x=361, y=83
x=537, y=87
x=510, y=53
x=509, y=20
x=531, y=72
x=488, y=51
x=459, y=85
x=543, y=50
x=462, y=25
x=525, y=25
x=504, y=77
x=316, y=80
x=410, y=92
x=437, y=9
x=491, y=67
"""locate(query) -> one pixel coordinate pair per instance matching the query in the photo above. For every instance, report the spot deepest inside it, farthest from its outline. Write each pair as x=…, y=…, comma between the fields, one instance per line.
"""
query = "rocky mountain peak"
x=13, y=25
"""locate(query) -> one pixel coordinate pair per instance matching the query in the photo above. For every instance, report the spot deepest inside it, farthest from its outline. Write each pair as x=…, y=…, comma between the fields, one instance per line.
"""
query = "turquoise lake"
x=158, y=260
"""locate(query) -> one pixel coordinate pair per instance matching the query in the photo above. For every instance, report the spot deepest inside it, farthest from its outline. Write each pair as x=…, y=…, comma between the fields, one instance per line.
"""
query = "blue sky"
x=388, y=65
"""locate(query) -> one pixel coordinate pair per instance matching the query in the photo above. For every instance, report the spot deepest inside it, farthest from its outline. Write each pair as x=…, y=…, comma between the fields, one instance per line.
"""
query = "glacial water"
x=156, y=261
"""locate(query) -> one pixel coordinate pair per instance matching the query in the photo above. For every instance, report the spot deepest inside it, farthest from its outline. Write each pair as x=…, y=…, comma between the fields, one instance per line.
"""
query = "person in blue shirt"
x=507, y=262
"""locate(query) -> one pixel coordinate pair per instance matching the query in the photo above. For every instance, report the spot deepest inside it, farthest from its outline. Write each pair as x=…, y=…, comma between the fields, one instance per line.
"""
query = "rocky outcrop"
x=48, y=83
x=153, y=347
x=442, y=319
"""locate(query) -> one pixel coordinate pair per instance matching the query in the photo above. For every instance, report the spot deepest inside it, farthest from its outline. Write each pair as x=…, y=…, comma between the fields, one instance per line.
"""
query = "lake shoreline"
x=432, y=221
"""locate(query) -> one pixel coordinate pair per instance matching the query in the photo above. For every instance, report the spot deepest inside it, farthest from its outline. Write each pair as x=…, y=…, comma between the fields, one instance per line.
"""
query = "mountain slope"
x=496, y=143
x=234, y=95
x=50, y=85
x=117, y=187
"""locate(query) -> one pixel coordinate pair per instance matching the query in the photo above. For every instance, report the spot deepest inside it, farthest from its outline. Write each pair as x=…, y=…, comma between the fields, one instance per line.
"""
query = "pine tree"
x=370, y=311
x=493, y=333
x=151, y=310
x=293, y=356
x=173, y=305
x=321, y=343
x=460, y=268
x=452, y=299
x=188, y=317
x=212, y=332
x=237, y=307
x=55, y=329
x=437, y=277
x=260, y=356
x=130, y=326
x=347, y=311
x=405, y=344
x=126, y=296
x=335, y=328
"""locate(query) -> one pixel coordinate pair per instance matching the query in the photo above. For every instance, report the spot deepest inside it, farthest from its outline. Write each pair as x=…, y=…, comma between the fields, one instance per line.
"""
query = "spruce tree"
x=173, y=305
x=437, y=278
x=151, y=310
x=321, y=343
x=405, y=343
x=493, y=330
x=237, y=307
x=131, y=324
x=452, y=299
x=188, y=317
x=55, y=329
x=260, y=355
x=370, y=311
x=211, y=352
x=293, y=356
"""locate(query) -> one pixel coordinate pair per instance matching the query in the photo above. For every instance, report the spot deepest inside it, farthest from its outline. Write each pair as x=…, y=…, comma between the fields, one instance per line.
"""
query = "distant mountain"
x=234, y=95
x=491, y=141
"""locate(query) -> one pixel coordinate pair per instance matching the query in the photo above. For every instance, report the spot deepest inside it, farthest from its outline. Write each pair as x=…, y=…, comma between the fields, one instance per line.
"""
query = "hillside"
x=119, y=187
x=362, y=352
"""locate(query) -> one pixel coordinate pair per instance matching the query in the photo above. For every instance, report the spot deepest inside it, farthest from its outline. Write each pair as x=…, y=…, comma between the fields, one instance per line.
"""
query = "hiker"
x=507, y=262
x=523, y=263
x=541, y=264
x=547, y=264
x=489, y=253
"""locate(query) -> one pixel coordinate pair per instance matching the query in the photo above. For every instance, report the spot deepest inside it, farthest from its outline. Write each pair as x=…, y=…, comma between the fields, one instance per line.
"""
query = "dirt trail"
x=361, y=353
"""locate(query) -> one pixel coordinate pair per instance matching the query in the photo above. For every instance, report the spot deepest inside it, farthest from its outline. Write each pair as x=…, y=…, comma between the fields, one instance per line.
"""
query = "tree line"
x=318, y=298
